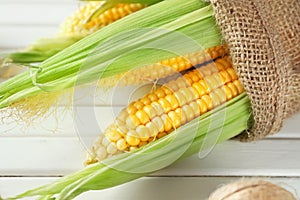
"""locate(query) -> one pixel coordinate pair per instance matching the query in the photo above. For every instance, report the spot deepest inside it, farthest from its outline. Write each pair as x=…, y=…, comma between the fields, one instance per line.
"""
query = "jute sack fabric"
x=251, y=190
x=263, y=37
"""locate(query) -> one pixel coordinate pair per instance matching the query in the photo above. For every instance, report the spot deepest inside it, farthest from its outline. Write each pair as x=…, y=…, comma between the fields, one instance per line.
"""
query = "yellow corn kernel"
x=181, y=114
x=215, y=99
x=181, y=82
x=142, y=116
x=206, y=98
x=132, y=121
x=132, y=138
x=150, y=111
x=226, y=62
x=225, y=77
x=152, y=97
x=158, y=108
x=143, y=133
x=228, y=92
x=145, y=101
x=195, y=108
x=202, y=105
x=239, y=86
x=168, y=125
x=189, y=96
x=221, y=94
x=138, y=105
x=152, y=129
x=188, y=111
x=180, y=98
x=233, y=89
x=204, y=85
x=131, y=109
x=232, y=73
x=175, y=118
x=111, y=149
x=121, y=144
x=199, y=88
x=212, y=83
x=157, y=121
x=113, y=135
x=166, y=90
x=165, y=104
x=160, y=93
x=194, y=92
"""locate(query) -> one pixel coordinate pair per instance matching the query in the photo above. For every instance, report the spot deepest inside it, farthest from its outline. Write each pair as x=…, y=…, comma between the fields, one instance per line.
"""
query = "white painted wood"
x=159, y=188
x=231, y=158
x=14, y=37
x=22, y=23
x=57, y=2
x=290, y=129
x=52, y=147
x=34, y=13
x=58, y=156
x=65, y=122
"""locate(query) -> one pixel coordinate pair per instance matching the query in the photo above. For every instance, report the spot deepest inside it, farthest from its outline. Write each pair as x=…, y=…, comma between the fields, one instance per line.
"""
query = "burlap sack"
x=263, y=37
x=251, y=190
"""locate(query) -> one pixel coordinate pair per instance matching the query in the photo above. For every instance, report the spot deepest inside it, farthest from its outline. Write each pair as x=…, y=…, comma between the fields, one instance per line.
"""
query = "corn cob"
x=77, y=23
x=165, y=68
x=168, y=107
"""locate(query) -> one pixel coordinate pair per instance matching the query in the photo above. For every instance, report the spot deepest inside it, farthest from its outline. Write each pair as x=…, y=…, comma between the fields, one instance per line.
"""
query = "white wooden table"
x=33, y=156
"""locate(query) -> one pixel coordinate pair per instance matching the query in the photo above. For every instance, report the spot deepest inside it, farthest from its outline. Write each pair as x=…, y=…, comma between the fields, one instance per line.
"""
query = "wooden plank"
x=290, y=129
x=193, y=188
x=57, y=2
x=58, y=156
x=66, y=123
x=232, y=158
x=35, y=14
x=14, y=37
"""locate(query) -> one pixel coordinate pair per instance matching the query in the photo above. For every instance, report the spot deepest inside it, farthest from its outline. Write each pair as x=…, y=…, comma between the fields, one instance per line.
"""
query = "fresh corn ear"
x=165, y=68
x=172, y=122
x=167, y=108
x=73, y=29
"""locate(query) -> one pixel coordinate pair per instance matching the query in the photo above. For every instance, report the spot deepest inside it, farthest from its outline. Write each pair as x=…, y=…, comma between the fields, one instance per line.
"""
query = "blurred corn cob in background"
x=80, y=24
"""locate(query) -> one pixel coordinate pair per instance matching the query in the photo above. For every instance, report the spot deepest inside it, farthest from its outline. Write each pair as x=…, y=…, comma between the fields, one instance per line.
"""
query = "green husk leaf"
x=42, y=49
x=89, y=58
x=186, y=140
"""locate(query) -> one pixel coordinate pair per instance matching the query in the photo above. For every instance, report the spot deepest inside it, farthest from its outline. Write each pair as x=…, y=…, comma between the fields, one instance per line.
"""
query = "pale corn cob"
x=77, y=23
x=164, y=68
x=168, y=107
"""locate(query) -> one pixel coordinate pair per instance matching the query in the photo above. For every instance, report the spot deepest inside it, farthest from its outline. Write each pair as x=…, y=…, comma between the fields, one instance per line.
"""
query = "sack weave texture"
x=263, y=37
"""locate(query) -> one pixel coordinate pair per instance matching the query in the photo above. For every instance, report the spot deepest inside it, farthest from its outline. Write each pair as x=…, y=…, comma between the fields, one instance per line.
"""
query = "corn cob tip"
x=77, y=24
